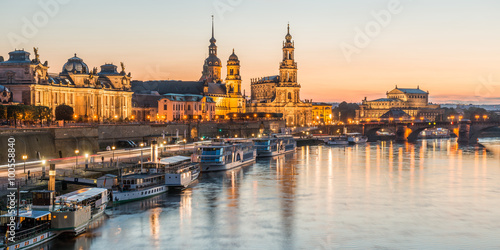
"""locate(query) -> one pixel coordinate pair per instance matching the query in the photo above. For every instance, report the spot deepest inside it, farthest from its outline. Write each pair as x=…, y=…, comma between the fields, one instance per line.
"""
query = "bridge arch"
x=476, y=131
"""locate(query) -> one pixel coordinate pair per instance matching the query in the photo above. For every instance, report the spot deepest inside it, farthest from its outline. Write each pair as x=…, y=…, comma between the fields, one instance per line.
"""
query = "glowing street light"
x=141, y=145
x=113, y=148
x=76, y=157
x=25, y=157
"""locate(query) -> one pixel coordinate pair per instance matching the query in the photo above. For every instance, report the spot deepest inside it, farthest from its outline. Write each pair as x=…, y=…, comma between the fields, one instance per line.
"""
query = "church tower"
x=233, y=79
x=288, y=67
x=288, y=89
x=212, y=68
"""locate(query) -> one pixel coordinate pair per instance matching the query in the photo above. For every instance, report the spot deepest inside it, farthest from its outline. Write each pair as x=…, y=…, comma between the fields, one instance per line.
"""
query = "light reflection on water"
x=430, y=195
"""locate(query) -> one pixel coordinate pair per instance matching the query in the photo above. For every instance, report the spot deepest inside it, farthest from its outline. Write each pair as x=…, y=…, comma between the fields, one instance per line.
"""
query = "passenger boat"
x=139, y=186
x=340, y=140
x=180, y=171
x=274, y=145
x=33, y=228
x=356, y=138
x=225, y=154
x=73, y=212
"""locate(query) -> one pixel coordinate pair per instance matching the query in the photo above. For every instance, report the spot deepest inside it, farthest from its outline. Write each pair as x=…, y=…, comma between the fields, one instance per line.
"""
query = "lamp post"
x=86, y=161
x=24, y=159
x=184, y=144
x=113, y=148
x=141, y=145
x=76, y=157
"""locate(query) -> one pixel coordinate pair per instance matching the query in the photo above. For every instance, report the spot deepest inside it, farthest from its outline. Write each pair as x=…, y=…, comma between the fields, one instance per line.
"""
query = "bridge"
x=467, y=132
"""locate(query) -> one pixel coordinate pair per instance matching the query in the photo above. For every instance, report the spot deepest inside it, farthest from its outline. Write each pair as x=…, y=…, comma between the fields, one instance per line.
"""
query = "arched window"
x=189, y=107
x=289, y=95
x=231, y=72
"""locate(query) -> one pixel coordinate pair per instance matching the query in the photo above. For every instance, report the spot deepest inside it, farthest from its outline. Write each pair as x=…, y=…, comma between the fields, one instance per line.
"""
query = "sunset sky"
x=449, y=47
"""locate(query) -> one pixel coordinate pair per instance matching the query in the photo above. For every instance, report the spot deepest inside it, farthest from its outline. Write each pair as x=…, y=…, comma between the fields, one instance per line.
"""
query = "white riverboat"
x=139, y=186
x=339, y=140
x=180, y=171
x=274, y=145
x=33, y=228
x=356, y=138
x=73, y=212
x=225, y=154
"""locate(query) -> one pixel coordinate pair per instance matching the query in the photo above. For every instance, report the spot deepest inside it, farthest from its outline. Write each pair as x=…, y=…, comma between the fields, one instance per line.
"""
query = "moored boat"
x=274, y=145
x=180, y=171
x=339, y=140
x=225, y=154
x=356, y=138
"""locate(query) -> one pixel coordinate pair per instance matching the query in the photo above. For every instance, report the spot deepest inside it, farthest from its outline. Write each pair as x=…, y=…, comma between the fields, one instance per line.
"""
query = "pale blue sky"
x=444, y=46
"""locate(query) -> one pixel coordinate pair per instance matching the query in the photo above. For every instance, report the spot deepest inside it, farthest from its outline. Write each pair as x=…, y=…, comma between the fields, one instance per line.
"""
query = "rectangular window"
x=165, y=107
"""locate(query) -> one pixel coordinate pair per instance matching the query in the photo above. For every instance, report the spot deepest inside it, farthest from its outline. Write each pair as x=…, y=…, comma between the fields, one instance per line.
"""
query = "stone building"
x=177, y=107
x=227, y=94
x=94, y=95
x=414, y=102
x=281, y=93
x=322, y=113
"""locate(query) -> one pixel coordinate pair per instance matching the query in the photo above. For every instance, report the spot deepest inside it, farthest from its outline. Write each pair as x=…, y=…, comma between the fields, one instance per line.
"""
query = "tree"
x=64, y=112
x=347, y=111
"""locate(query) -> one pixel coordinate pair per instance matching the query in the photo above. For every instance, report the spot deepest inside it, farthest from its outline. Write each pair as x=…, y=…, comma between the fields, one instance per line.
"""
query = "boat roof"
x=353, y=133
x=82, y=194
x=140, y=176
x=33, y=214
x=174, y=159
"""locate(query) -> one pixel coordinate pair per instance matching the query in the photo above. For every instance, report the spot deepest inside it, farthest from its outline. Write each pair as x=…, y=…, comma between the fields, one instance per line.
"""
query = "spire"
x=212, y=26
x=288, y=37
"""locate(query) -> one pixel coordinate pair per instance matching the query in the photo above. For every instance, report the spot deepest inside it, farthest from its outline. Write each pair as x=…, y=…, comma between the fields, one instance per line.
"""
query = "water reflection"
x=431, y=194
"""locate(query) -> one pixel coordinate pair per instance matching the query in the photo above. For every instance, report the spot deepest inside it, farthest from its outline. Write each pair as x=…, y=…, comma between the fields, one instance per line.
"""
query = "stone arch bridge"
x=466, y=131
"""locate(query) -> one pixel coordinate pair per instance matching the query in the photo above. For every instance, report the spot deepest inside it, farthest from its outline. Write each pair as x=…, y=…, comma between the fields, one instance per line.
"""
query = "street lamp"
x=477, y=117
x=86, y=161
x=24, y=159
x=184, y=144
x=141, y=145
x=113, y=148
x=485, y=117
x=76, y=157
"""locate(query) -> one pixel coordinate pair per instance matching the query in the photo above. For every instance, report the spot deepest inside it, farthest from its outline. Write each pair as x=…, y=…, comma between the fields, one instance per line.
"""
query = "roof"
x=410, y=91
x=396, y=114
x=216, y=88
x=267, y=79
x=107, y=176
x=174, y=159
x=186, y=97
x=165, y=87
x=387, y=100
x=140, y=176
x=33, y=214
x=82, y=194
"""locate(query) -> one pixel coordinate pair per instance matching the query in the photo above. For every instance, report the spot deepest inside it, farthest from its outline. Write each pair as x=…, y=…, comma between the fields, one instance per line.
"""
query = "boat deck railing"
x=23, y=234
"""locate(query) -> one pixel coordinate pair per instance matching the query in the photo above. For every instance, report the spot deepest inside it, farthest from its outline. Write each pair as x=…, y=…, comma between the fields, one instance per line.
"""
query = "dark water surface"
x=430, y=195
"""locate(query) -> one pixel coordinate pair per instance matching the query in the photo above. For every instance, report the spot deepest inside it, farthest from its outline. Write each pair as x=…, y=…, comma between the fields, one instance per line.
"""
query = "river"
x=433, y=194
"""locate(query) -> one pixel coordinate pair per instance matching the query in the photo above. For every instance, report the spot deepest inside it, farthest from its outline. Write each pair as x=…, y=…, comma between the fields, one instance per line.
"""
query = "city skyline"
x=459, y=66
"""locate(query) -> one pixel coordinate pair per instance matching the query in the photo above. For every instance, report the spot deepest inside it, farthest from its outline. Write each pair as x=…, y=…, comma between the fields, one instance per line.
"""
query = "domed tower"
x=213, y=67
x=75, y=65
x=233, y=79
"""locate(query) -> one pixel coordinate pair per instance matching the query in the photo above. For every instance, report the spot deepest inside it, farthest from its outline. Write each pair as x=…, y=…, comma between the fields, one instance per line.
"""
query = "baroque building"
x=413, y=102
x=281, y=93
x=94, y=96
x=227, y=95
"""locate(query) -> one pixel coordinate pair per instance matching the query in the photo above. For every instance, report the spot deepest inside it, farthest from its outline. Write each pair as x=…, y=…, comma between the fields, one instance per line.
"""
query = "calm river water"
x=430, y=195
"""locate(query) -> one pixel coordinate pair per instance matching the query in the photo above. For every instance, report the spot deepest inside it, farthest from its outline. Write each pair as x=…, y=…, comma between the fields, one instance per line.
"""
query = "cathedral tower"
x=212, y=68
x=233, y=79
x=288, y=67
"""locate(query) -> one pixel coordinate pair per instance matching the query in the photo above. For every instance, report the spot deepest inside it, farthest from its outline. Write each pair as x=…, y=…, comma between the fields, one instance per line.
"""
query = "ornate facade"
x=227, y=96
x=281, y=93
x=414, y=102
x=93, y=95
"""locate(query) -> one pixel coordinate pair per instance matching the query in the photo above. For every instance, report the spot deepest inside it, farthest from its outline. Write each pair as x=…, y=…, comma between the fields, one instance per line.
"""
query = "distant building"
x=93, y=96
x=413, y=102
x=176, y=107
x=281, y=93
x=227, y=96
x=322, y=113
